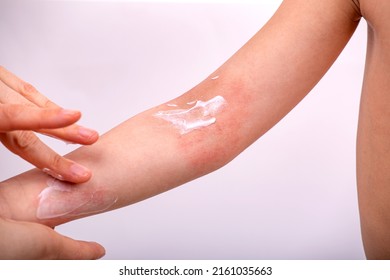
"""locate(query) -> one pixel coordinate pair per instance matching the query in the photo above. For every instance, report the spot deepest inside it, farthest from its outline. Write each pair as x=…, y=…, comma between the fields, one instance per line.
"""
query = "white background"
x=292, y=195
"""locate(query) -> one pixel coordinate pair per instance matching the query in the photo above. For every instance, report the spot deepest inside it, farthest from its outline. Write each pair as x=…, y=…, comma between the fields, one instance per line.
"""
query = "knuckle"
x=64, y=248
x=10, y=112
x=6, y=113
x=31, y=93
x=25, y=141
x=44, y=251
x=28, y=89
x=78, y=253
x=50, y=248
x=46, y=103
x=56, y=249
x=56, y=161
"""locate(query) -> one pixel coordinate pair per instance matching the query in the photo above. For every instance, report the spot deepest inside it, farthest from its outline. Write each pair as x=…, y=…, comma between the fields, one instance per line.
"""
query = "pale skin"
x=261, y=83
x=23, y=111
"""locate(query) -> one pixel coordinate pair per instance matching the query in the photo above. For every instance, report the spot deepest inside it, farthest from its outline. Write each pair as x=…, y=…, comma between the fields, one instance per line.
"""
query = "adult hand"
x=23, y=111
x=24, y=237
x=24, y=240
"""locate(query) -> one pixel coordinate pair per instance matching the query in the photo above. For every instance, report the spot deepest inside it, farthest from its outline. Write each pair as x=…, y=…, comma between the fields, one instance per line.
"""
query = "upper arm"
x=269, y=75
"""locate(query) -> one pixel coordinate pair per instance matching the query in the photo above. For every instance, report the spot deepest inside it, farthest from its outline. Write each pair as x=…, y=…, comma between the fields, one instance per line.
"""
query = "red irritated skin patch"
x=221, y=113
x=62, y=200
x=214, y=146
x=200, y=115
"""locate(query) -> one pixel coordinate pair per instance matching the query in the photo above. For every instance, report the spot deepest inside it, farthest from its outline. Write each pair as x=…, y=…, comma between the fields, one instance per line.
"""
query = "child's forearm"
x=143, y=156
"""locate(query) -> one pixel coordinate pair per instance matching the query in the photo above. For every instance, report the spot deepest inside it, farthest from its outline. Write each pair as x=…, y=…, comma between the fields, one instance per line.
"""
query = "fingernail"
x=79, y=170
x=86, y=132
x=53, y=174
x=69, y=113
x=102, y=251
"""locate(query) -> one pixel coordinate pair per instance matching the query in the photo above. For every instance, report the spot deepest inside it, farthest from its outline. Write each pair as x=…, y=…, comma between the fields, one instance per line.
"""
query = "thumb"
x=65, y=248
x=25, y=240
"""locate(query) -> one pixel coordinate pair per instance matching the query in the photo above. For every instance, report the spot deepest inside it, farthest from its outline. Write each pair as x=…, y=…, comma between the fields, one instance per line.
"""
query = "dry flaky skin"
x=261, y=83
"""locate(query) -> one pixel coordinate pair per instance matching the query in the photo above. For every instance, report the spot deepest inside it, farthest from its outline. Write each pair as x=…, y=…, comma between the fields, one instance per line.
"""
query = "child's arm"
x=153, y=152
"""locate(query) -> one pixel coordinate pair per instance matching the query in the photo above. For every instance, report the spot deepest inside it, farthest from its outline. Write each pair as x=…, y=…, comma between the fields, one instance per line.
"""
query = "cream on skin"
x=53, y=174
x=201, y=114
x=61, y=199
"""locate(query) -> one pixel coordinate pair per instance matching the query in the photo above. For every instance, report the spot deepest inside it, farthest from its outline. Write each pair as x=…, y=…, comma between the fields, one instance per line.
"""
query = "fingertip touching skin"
x=29, y=147
x=23, y=111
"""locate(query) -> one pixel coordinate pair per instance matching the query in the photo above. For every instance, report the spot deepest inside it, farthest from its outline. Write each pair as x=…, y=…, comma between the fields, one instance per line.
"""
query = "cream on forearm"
x=201, y=114
x=60, y=199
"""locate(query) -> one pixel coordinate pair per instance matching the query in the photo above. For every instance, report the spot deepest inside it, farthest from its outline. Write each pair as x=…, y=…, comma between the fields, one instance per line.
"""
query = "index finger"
x=72, y=133
x=21, y=117
x=27, y=90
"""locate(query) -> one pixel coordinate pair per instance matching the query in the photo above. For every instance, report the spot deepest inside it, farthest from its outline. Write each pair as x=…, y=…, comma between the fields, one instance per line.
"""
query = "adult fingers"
x=15, y=91
x=70, y=249
x=21, y=117
x=23, y=240
x=74, y=134
x=28, y=146
x=25, y=89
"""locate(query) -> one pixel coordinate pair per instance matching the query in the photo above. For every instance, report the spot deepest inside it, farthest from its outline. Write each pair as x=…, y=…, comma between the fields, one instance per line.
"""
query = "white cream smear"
x=53, y=174
x=202, y=114
x=61, y=199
